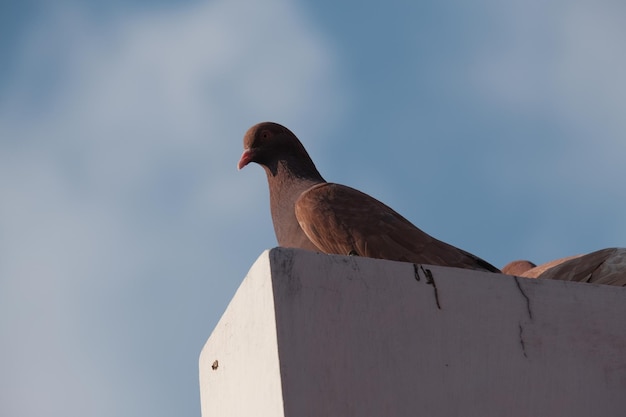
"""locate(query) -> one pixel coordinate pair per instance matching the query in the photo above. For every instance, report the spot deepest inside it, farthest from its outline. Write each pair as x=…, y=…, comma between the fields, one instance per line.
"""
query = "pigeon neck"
x=286, y=180
x=286, y=185
x=285, y=169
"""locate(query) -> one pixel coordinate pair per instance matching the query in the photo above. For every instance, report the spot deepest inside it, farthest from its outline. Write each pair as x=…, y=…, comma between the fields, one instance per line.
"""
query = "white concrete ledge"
x=318, y=335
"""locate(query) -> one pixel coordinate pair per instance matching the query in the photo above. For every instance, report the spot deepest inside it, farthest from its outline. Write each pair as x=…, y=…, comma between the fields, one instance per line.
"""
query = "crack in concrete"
x=416, y=272
x=519, y=287
x=521, y=340
x=430, y=280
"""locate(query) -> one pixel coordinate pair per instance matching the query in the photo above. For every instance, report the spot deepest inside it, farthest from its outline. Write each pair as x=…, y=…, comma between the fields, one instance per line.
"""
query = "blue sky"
x=125, y=227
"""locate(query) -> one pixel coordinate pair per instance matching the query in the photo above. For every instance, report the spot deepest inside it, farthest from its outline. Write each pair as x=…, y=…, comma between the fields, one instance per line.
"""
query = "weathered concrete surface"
x=317, y=335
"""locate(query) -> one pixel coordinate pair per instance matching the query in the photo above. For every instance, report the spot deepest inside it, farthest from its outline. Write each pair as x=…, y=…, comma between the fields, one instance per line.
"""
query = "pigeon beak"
x=246, y=158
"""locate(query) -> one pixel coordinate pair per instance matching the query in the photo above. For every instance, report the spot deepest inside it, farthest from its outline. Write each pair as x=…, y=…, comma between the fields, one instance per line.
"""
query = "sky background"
x=125, y=227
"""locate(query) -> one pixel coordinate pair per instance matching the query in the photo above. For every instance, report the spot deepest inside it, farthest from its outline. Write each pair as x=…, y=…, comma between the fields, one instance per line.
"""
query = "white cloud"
x=117, y=171
x=553, y=71
x=561, y=64
x=562, y=60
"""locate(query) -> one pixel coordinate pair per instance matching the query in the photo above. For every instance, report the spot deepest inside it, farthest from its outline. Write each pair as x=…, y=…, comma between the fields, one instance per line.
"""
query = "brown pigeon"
x=517, y=267
x=605, y=266
x=310, y=213
x=536, y=271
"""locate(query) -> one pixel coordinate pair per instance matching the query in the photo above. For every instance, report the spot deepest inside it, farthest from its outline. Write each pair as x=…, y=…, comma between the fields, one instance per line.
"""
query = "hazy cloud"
x=561, y=60
x=121, y=198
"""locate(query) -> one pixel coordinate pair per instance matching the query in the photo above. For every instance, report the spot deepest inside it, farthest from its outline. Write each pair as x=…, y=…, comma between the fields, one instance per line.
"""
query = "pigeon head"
x=275, y=147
